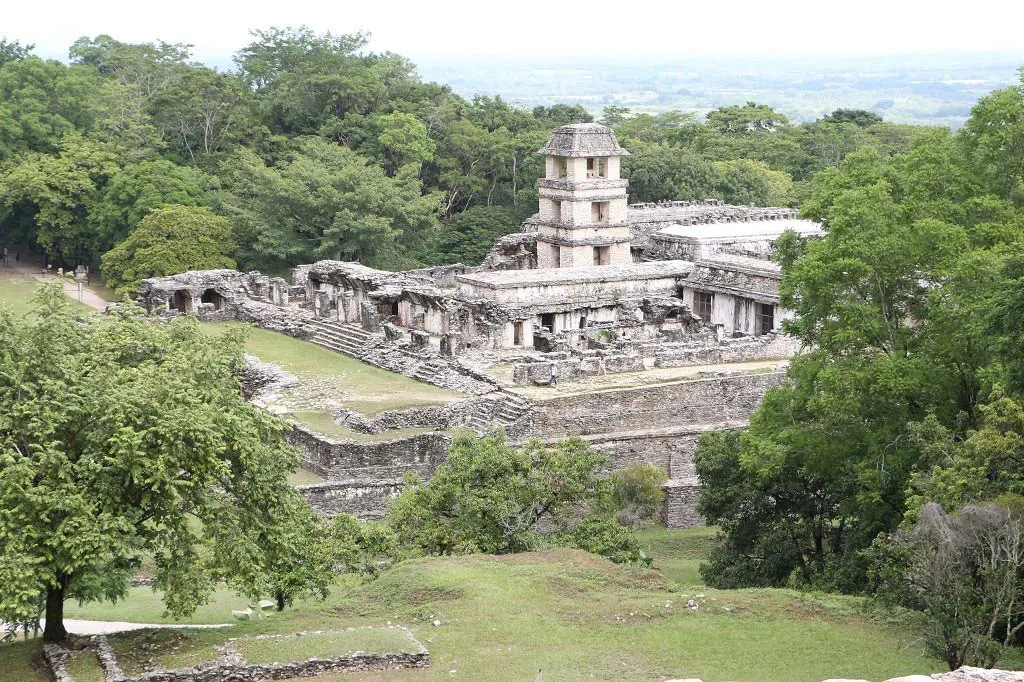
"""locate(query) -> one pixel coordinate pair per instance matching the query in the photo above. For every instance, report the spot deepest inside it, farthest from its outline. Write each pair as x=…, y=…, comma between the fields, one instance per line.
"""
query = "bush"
x=605, y=536
x=965, y=571
x=489, y=496
x=637, y=493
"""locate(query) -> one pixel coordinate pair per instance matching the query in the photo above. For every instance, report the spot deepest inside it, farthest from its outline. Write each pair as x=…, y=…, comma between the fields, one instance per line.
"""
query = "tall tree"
x=167, y=241
x=325, y=201
x=120, y=438
x=61, y=191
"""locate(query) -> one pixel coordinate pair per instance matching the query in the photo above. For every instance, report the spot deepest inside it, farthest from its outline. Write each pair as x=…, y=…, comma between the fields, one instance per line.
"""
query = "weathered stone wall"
x=364, y=499
x=680, y=509
x=696, y=403
x=346, y=459
x=748, y=349
x=669, y=449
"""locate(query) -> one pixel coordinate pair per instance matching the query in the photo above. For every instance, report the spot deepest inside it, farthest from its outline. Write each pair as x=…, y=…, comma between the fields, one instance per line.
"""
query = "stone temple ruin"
x=638, y=327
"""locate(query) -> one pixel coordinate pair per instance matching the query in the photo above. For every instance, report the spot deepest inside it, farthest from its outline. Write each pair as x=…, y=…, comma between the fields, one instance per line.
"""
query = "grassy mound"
x=576, y=616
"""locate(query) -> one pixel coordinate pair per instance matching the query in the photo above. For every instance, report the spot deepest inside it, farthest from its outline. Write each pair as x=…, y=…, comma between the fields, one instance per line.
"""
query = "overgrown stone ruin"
x=231, y=666
x=639, y=327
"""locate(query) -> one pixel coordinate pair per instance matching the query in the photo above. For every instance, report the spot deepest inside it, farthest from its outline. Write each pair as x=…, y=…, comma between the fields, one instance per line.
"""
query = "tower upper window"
x=597, y=168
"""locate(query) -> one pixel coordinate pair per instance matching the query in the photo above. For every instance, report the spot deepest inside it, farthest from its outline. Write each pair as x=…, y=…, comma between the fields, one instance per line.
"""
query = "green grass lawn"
x=23, y=662
x=85, y=667
x=143, y=650
x=324, y=645
x=678, y=552
x=361, y=387
x=16, y=290
x=576, y=616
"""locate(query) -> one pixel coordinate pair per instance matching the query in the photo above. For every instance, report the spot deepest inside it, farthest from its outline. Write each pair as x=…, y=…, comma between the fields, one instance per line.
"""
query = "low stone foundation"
x=339, y=460
x=232, y=668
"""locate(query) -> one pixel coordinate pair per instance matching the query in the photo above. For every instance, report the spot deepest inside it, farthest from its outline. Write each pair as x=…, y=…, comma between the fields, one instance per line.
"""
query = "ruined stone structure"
x=582, y=218
x=591, y=287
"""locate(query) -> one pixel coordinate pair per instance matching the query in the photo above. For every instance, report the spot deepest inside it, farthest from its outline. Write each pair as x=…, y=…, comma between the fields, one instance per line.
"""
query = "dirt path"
x=107, y=627
x=87, y=297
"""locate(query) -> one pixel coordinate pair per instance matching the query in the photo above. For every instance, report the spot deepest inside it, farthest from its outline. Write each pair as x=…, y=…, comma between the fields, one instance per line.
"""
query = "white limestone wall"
x=613, y=167
x=735, y=313
x=582, y=291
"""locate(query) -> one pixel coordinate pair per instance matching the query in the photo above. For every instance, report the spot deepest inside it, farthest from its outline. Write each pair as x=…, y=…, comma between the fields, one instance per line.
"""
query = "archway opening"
x=181, y=301
x=212, y=296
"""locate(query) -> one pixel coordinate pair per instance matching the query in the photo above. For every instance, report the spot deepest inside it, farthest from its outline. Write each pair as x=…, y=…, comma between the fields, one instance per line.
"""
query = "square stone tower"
x=582, y=218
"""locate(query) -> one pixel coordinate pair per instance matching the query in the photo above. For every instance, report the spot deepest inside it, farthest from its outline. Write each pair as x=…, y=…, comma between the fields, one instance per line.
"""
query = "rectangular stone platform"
x=550, y=284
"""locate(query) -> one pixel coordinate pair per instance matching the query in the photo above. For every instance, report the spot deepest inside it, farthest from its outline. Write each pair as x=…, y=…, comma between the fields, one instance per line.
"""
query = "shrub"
x=965, y=571
x=637, y=493
x=605, y=536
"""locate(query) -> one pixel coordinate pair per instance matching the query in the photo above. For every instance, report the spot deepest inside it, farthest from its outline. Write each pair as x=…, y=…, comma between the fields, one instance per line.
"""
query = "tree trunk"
x=280, y=600
x=54, y=630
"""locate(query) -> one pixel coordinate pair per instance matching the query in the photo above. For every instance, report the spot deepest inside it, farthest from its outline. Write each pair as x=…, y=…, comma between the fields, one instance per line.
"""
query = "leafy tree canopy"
x=170, y=240
x=121, y=439
x=489, y=496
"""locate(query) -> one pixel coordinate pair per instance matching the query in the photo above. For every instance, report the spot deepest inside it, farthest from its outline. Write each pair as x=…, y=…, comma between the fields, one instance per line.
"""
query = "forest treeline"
x=314, y=147
x=892, y=461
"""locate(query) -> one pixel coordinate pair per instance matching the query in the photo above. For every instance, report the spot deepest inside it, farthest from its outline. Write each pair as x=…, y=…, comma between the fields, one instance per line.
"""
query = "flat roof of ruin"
x=514, y=279
x=583, y=139
x=736, y=263
x=751, y=229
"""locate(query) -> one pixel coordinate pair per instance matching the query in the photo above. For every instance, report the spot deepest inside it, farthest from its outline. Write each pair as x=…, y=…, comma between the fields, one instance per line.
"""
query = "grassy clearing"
x=357, y=386
x=23, y=662
x=323, y=645
x=144, y=650
x=581, y=618
x=143, y=605
x=85, y=667
x=16, y=290
x=679, y=552
x=323, y=423
x=303, y=477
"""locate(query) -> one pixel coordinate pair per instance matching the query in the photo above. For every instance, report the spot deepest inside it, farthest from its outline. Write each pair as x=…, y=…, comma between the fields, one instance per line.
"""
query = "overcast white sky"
x=470, y=28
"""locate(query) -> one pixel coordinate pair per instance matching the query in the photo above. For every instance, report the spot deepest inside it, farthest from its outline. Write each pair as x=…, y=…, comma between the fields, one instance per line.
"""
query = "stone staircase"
x=432, y=370
x=423, y=364
x=349, y=339
x=498, y=410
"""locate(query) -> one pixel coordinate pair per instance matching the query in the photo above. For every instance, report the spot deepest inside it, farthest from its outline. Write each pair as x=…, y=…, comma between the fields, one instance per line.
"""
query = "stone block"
x=369, y=316
x=452, y=344
x=419, y=339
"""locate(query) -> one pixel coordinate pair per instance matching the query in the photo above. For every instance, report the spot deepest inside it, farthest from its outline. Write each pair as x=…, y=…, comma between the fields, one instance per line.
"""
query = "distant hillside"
x=923, y=90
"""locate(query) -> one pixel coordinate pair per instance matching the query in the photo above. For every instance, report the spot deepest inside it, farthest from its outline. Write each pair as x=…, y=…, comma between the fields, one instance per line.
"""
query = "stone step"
x=336, y=341
x=343, y=334
x=350, y=330
x=336, y=348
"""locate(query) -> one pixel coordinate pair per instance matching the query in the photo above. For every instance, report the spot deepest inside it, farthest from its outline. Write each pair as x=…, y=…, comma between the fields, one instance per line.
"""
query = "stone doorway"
x=212, y=296
x=181, y=301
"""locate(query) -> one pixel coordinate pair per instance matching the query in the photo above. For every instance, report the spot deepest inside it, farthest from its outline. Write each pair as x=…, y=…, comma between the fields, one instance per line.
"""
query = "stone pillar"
x=452, y=344
x=369, y=316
